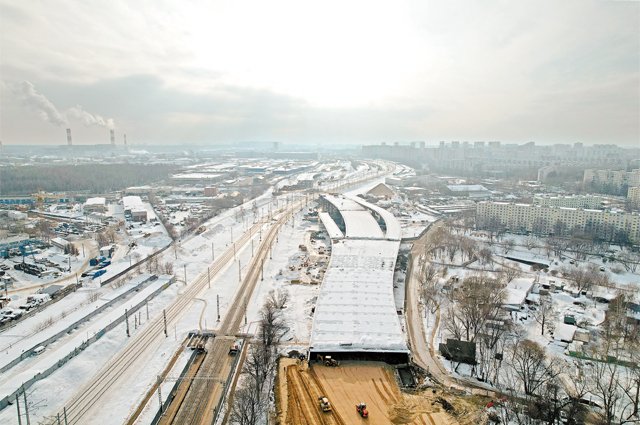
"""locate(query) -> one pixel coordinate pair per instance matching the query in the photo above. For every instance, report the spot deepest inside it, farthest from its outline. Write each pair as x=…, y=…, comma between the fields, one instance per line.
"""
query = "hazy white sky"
x=320, y=72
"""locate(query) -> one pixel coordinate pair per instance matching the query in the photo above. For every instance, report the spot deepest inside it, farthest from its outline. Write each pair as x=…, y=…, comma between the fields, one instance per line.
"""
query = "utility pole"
x=164, y=317
x=147, y=304
x=251, y=248
x=239, y=272
x=126, y=319
x=64, y=413
x=18, y=407
x=218, y=305
x=271, y=250
x=234, y=250
x=213, y=254
x=185, y=274
x=160, y=395
x=209, y=276
x=262, y=270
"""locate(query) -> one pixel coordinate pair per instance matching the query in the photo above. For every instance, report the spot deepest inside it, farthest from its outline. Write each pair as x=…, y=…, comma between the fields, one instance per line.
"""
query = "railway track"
x=204, y=394
x=149, y=337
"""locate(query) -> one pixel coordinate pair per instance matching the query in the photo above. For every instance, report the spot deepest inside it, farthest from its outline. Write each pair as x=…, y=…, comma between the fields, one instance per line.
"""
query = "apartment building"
x=633, y=194
x=542, y=219
x=612, y=178
x=576, y=201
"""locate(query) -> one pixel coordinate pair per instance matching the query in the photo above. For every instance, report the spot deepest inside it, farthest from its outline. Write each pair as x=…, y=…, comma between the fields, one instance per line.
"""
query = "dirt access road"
x=347, y=385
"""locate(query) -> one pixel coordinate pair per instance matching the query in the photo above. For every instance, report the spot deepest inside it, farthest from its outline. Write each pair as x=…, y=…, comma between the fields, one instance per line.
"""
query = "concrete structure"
x=522, y=218
x=355, y=315
x=93, y=205
x=210, y=191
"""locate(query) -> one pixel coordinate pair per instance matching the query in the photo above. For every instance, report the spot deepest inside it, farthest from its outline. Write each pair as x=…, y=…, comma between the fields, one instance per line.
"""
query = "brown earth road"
x=349, y=384
x=423, y=350
x=303, y=394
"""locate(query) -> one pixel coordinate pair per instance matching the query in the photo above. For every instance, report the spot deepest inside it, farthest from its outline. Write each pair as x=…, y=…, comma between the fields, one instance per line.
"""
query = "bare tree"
x=477, y=301
x=168, y=268
x=278, y=298
x=610, y=382
x=508, y=245
x=545, y=312
x=530, y=366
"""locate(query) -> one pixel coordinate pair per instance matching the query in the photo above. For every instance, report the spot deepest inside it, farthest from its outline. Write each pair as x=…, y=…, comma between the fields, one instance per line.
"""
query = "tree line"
x=94, y=178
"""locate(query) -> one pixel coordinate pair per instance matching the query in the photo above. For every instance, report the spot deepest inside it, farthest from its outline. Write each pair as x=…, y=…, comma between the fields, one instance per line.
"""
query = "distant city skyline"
x=327, y=73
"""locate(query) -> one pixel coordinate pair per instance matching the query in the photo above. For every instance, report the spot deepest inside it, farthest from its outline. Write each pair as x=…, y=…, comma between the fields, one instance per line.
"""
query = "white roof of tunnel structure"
x=356, y=310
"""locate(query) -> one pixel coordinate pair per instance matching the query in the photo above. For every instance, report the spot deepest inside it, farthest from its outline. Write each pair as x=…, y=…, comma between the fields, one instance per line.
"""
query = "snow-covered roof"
x=330, y=225
x=467, y=188
x=130, y=202
x=355, y=310
x=517, y=291
x=96, y=201
x=564, y=332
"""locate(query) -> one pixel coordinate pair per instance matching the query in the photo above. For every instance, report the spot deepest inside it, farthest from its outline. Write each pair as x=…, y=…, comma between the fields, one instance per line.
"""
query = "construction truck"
x=361, y=408
x=235, y=348
x=324, y=404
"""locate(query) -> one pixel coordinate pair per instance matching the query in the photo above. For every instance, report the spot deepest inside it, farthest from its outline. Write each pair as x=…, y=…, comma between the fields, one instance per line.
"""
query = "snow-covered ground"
x=190, y=257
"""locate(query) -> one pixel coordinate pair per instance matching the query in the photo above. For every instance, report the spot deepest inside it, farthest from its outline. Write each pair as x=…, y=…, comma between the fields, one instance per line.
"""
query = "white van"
x=38, y=350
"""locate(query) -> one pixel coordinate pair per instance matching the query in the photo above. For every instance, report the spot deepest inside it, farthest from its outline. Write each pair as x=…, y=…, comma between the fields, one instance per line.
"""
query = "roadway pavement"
x=423, y=346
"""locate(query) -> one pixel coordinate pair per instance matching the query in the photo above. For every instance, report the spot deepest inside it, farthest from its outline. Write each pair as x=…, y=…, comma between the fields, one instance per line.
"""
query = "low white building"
x=97, y=204
x=135, y=208
x=517, y=292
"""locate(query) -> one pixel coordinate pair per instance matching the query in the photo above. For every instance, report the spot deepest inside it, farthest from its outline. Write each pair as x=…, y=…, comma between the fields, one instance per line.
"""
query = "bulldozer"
x=361, y=408
x=325, y=405
x=331, y=362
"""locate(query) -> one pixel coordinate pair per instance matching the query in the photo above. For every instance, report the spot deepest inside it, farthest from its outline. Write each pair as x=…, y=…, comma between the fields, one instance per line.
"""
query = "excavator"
x=361, y=408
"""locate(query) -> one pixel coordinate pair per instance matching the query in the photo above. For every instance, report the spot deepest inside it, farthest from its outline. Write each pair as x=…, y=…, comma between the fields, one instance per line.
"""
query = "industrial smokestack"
x=125, y=139
x=113, y=137
x=69, y=137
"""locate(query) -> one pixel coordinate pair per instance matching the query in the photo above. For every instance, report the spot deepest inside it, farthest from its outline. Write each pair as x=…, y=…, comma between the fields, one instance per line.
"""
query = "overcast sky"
x=175, y=72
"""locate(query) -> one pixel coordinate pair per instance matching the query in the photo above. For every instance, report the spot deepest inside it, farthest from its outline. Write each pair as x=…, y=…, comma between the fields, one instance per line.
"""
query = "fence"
x=41, y=375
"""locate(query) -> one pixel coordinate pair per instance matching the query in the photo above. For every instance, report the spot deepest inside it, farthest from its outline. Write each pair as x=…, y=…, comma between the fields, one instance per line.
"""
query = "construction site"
x=358, y=357
x=304, y=391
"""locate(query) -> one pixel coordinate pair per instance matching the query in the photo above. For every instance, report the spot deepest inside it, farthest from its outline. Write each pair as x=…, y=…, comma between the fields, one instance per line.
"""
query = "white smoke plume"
x=88, y=118
x=48, y=111
x=40, y=104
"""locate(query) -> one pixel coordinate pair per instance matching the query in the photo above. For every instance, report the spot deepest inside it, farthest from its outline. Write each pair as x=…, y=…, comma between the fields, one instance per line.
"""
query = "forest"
x=93, y=178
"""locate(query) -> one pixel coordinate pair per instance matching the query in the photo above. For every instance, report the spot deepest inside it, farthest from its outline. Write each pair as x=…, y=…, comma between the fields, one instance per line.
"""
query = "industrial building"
x=134, y=208
x=93, y=205
x=355, y=315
